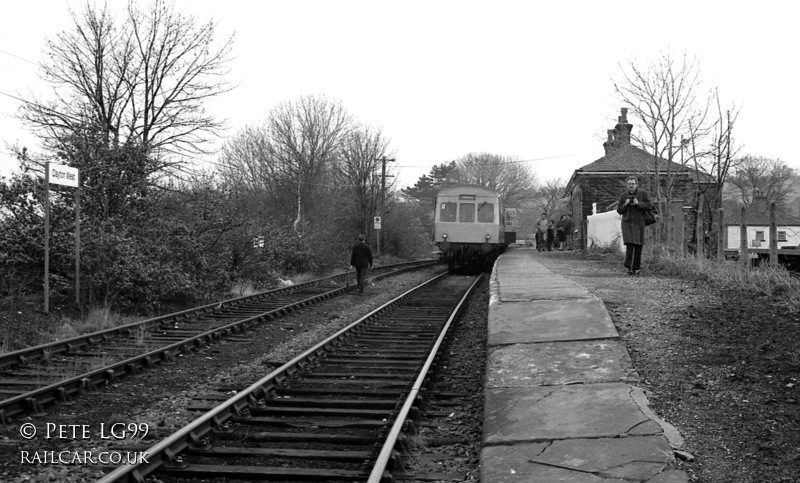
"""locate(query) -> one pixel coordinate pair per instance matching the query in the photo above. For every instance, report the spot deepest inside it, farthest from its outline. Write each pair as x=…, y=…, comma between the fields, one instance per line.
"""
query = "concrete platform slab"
x=516, y=415
x=551, y=363
x=525, y=293
x=548, y=321
x=670, y=476
x=512, y=464
x=634, y=458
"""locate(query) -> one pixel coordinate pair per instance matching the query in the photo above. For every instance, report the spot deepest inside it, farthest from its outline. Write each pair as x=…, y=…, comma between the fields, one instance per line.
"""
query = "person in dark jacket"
x=551, y=235
x=632, y=205
x=561, y=232
x=361, y=260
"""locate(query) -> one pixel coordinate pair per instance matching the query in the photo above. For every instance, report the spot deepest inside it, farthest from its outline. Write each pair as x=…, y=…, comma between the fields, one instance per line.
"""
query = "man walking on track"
x=361, y=260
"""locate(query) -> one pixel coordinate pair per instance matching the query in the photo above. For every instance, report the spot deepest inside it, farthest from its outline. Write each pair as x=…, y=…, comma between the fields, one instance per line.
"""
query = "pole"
x=383, y=197
x=744, y=256
x=47, y=237
x=773, y=237
x=683, y=233
x=78, y=243
x=721, y=235
x=700, y=229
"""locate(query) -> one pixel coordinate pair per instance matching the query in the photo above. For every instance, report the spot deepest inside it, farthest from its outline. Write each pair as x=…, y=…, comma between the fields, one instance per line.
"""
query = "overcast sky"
x=530, y=79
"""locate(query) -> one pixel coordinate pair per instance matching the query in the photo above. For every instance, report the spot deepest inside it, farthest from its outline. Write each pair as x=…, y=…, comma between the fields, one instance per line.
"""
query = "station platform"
x=561, y=401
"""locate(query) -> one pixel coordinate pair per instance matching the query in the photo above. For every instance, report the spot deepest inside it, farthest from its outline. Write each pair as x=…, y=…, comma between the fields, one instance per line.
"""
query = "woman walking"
x=632, y=205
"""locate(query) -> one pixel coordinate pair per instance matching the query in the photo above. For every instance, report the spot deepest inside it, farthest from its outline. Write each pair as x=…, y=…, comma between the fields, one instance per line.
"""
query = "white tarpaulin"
x=603, y=228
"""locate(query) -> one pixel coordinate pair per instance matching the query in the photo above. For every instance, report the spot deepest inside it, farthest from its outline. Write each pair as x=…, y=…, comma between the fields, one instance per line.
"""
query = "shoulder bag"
x=649, y=217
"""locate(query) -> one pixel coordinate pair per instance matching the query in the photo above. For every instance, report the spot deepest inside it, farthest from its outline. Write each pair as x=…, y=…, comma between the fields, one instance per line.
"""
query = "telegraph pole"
x=47, y=237
x=383, y=197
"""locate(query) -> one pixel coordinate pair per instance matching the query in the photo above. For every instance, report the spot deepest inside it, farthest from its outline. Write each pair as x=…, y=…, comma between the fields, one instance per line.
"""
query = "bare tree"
x=664, y=95
x=245, y=162
x=721, y=156
x=358, y=172
x=551, y=196
x=143, y=80
x=304, y=139
x=775, y=179
x=511, y=179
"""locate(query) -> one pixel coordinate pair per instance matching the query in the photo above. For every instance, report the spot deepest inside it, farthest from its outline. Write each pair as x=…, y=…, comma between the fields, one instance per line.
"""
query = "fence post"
x=721, y=234
x=773, y=237
x=672, y=229
x=683, y=233
x=744, y=257
x=699, y=231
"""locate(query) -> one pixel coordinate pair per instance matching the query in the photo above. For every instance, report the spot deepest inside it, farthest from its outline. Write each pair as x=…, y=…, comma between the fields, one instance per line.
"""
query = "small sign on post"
x=64, y=175
x=377, y=222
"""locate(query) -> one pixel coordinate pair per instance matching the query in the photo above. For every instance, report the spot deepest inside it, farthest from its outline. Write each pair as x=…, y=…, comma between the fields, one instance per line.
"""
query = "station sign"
x=63, y=175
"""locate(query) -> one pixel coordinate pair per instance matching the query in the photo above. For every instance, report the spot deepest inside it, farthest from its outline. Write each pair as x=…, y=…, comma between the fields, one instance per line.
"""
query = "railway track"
x=337, y=412
x=57, y=372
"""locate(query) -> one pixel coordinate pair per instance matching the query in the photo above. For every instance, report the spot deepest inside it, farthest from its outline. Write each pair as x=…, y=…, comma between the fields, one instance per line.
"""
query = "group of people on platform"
x=632, y=205
x=554, y=236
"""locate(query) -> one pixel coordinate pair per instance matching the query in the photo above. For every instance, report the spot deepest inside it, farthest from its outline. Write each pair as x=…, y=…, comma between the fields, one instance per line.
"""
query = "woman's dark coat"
x=633, y=216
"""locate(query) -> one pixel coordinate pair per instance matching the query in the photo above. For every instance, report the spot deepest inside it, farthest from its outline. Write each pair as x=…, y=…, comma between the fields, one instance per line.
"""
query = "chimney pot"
x=624, y=117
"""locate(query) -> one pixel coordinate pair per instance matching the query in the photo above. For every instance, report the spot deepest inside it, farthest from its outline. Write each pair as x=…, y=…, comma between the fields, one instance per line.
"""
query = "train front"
x=468, y=226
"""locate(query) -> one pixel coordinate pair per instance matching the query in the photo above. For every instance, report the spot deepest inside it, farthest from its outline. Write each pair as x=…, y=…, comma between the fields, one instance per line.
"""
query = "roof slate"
x=631, y=159
x=759, y=216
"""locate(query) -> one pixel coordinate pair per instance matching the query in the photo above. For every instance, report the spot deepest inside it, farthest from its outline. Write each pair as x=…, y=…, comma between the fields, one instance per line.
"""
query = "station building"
x=603, y=180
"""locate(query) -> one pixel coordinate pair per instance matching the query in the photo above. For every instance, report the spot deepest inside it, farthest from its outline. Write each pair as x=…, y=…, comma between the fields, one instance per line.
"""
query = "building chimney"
x=760, y=202
x=609, y=145
x=623, y=128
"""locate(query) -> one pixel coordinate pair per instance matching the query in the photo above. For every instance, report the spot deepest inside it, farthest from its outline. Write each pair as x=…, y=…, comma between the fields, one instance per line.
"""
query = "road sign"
x=64, y=175
x=377, y=222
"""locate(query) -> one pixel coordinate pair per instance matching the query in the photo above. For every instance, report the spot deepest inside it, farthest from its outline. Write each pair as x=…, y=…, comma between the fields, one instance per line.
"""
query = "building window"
x=781, y=236
x=760, y=236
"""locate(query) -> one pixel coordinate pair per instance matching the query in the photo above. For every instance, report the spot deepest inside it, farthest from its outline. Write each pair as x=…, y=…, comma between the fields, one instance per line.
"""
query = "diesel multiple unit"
x=471, y=226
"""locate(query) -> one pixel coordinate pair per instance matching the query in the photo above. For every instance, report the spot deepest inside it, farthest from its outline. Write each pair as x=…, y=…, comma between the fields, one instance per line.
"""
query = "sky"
x=527, y=79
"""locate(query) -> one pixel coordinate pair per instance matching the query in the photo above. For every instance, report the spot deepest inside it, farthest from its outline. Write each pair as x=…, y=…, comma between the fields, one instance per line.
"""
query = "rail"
x=166, y=453
x=31, y=401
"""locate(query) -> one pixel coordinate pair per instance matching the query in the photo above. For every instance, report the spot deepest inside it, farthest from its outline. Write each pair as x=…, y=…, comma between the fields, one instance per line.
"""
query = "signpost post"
x=65, y=176
x=377, y=225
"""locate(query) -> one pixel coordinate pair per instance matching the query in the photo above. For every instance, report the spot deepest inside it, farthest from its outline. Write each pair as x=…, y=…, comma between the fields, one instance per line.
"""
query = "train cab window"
x=466, y=212
x=447, y=212
x=486, y=213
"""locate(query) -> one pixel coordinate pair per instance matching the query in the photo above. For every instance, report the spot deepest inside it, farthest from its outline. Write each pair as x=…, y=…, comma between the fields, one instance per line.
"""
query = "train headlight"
x=488, y=236
x=444, y=235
